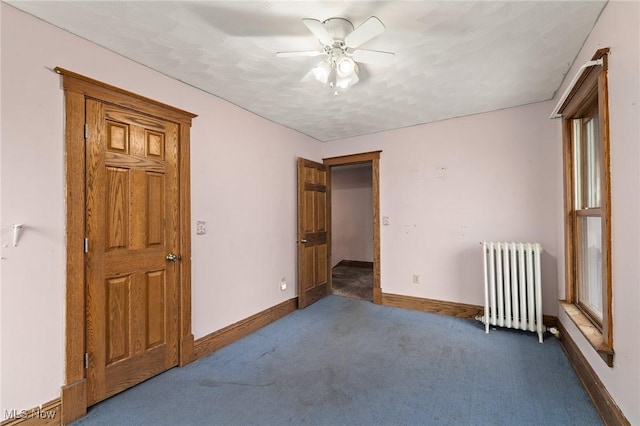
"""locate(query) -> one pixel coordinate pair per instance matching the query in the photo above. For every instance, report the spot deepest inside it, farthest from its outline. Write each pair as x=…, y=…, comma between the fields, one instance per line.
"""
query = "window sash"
x=587, y=160
x=589, y=266
x=587, y=223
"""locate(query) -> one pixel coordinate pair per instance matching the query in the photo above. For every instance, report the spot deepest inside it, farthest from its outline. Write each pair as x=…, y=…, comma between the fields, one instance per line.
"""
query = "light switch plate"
x=201, y=227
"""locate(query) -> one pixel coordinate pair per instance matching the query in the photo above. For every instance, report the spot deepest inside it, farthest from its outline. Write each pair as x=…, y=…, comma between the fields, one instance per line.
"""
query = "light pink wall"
x=351, y=214
x=243, y=186
x=445, y=186
x=617, y=28
x=449, y=185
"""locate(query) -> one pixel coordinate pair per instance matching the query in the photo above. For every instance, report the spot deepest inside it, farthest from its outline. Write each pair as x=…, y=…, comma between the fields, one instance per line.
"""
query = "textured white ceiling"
x=452, y=58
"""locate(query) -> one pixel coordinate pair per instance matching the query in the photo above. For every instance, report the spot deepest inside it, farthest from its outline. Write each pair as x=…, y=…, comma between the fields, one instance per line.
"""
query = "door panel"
x=155, y=206
x=117, y=222
x=155, y=295
x=321, y=211
x=117, y=307
x=131, y=217
x=313, y=265
x=321, y=262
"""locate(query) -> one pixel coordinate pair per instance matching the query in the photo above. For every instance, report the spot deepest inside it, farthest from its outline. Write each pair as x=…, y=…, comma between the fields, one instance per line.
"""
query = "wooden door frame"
x=372, y=158
x=77, y=89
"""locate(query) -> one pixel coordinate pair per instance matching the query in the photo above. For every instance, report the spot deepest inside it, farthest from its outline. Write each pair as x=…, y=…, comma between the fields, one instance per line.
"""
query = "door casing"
x=77, y=89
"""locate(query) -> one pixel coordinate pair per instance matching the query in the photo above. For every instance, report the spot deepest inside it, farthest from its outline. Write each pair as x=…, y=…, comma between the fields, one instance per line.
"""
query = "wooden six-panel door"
x=313, y=262
x=132, y=211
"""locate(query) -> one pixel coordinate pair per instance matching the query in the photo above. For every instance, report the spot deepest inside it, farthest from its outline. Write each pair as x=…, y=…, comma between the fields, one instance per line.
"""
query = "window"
x=587, y=207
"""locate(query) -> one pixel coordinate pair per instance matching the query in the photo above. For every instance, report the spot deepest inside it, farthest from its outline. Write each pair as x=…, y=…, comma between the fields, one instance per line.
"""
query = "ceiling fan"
x=339, y=41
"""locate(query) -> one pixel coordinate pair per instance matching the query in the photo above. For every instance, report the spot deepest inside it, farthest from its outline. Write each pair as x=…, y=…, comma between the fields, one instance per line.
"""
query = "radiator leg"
x=486, y=290
x=485, y=320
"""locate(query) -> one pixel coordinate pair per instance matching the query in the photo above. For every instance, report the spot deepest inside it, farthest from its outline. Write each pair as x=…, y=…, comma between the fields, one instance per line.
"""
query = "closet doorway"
x=354, y=238
x=352, y=231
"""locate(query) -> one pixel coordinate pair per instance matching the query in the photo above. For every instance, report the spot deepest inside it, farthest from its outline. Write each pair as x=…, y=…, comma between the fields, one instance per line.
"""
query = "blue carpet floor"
x=349, y=362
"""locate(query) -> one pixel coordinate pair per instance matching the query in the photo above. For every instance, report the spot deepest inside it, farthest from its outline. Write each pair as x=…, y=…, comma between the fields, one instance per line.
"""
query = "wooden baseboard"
x=186, y=350
x=453, y=309
x=550, y=321
x=48, y=414
x=377, y=295
x=74, y=401
x=230, y=334
x=355, y=264
x=604, y=403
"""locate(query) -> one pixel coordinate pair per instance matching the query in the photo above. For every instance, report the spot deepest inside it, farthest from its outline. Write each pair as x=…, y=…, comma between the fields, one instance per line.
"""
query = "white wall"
x=617, y=28
x=1, y=223
x=446, y=186
x=351, y=214
x=243, y=186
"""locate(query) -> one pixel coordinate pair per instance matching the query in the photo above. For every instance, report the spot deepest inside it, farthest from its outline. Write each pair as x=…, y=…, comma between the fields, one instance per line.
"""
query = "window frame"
x=590, y=91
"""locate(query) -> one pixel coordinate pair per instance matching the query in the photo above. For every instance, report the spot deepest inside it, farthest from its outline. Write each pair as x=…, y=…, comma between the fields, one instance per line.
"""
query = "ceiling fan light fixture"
x=348, y=81
x=321, y=72
x=345, y=82
x=345, y=66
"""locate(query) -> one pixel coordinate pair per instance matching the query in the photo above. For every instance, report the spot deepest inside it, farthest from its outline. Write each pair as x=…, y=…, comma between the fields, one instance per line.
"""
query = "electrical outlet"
x=416, y=279
x=283, y=284
x=385, y=220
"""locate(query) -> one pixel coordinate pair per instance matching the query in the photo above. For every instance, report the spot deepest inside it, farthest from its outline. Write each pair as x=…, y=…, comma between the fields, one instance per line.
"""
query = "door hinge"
x=86, y=360
x=86, y=131
x=86, y=245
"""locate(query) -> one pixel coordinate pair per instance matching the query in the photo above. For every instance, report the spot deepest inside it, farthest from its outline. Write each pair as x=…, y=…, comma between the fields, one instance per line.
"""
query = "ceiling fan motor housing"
x=339, y=28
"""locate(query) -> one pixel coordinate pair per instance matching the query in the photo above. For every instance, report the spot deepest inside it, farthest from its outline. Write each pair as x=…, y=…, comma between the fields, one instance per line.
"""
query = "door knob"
x=303, y=241
x=173, y=257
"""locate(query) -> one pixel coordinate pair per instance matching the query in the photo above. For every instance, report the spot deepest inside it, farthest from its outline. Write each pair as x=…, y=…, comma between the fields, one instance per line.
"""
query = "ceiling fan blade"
x=365, y=32
x=299, y=53
x=319, y=31
x=373, y=57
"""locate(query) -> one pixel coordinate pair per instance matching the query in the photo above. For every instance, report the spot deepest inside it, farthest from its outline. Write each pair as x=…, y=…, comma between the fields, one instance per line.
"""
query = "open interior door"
x=313, y=262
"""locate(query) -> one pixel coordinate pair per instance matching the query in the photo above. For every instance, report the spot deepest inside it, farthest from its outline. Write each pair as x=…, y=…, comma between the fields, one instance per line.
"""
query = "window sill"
x=589, y=331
